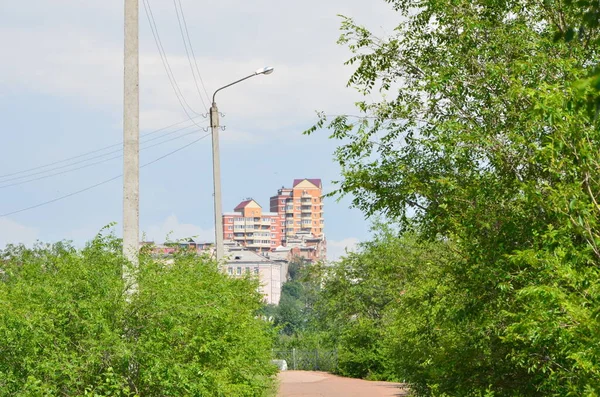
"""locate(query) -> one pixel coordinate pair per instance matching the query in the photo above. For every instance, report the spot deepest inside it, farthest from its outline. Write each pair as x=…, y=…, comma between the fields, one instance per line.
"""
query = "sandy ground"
x=322, y=384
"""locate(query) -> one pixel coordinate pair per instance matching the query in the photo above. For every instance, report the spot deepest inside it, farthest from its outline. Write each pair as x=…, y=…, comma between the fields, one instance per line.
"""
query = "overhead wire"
x=93, y=151
x=99, y=183
x=183, y=27
x=92, y=164
x=165, y=61
x=28, y=175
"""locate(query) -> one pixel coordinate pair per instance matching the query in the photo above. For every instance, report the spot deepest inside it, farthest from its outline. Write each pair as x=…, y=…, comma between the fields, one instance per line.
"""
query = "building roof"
x=244, y=203
x=236, y=254
x=316, y=182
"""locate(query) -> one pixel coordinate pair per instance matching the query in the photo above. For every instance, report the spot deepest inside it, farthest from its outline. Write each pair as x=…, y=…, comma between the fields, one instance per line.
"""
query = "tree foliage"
x=68, y=327
x=480, y=141
x=292, y=315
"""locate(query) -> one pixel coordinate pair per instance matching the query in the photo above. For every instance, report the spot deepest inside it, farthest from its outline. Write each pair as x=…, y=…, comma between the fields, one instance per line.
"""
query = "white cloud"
x=175, y=230
x=14, y=233
x=337, y=249
x=83, y=61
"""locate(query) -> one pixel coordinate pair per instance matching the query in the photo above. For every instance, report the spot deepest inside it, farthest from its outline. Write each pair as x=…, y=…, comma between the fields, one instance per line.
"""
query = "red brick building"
x=295, y=219
x=252, y=228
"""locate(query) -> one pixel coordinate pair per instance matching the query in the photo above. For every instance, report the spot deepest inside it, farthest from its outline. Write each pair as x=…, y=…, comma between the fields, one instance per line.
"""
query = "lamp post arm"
x=230, y=84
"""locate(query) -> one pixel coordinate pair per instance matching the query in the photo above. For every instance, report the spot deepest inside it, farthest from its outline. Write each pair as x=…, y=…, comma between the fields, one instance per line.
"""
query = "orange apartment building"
x=300, y=209
x=250, y=227
x=294, y=212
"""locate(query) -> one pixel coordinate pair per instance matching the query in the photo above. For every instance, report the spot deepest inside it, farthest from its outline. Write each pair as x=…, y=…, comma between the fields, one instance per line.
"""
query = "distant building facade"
x=167, y=249
x=271, y=273
x=252, y=228
x=295, y=220
x=300, y=209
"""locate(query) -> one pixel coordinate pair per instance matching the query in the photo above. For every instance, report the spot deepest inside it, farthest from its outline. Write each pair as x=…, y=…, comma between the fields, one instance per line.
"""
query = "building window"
x=229, y=227
x=230, y=270
x=282, y=201
x=238, y=271
x=255, y=270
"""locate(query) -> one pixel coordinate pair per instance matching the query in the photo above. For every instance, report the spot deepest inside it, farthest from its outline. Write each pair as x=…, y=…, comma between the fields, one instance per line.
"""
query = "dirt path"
x=322, y=384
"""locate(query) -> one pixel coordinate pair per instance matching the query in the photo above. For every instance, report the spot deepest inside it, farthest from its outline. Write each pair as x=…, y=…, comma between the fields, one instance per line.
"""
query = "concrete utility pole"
x=214, y=125
x=131, y=135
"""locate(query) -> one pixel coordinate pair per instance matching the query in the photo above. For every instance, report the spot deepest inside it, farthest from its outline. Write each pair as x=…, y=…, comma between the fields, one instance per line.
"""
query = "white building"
x=271, y=272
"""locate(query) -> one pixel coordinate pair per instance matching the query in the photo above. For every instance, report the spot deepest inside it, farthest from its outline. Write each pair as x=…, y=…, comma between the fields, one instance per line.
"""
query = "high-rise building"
x=252, y=228
x=300, y=209
x=295, y=221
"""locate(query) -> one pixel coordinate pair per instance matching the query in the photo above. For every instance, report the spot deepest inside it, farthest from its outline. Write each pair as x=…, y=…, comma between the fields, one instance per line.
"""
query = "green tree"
x=480, y=142
x=298, y=294
x=362, y=294
x=67, y=326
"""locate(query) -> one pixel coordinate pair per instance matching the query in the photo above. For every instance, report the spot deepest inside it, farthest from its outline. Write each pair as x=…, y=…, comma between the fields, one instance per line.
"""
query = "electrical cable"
x=100, y=183
x=165, y=61
x=88, y=159
x=189, y=41
x=93, y=151
x=92, y=164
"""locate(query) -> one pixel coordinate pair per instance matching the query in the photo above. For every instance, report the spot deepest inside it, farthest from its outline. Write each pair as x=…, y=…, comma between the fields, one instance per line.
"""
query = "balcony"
x=259, y=245
x=306, y=210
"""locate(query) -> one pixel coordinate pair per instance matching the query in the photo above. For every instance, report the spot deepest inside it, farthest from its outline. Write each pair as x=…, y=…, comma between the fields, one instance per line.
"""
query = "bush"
x=68, y=327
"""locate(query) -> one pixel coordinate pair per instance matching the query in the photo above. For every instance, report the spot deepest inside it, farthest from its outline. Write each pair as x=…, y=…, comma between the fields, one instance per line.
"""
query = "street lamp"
x=214, y=125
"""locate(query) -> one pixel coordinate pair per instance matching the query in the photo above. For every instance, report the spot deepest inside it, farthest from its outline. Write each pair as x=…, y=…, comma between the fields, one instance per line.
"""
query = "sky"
x=61, y=90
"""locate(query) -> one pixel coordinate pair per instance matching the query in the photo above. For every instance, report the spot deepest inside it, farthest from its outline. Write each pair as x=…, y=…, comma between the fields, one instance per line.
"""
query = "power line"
x=92, y=164
x=175, y=151
x=165, y=61
x=94, y=151
x=100, y=183
x=189, y=41
x=28, y=175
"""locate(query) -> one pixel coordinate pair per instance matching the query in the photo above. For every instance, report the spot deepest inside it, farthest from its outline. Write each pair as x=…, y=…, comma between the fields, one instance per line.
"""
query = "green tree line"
x=482, y=154
x=69, y=326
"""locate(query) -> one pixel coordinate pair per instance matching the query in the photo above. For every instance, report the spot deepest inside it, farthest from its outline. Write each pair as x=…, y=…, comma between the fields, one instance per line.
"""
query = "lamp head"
x=265, y=70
